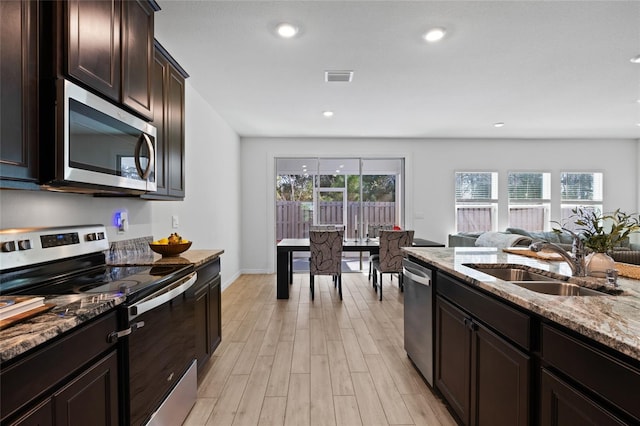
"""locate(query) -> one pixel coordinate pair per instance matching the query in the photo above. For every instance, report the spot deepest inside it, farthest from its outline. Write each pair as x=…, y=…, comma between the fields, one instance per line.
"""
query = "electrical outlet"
x=122, y=222
x=174, y=222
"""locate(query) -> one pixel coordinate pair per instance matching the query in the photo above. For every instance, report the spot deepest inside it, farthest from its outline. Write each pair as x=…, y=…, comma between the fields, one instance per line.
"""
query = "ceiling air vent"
x=338, y=76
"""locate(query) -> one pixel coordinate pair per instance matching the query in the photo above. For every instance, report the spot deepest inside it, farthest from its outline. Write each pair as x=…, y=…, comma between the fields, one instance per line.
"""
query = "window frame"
x=518, y=203
x=490, y=203
x=568, y=204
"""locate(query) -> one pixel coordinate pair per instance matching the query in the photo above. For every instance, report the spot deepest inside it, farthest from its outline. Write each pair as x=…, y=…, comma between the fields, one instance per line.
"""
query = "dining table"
x=288, y=246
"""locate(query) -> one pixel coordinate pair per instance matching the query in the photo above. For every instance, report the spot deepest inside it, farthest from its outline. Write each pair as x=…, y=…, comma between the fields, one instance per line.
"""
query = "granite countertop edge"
x=612, y=320
x=69, y=312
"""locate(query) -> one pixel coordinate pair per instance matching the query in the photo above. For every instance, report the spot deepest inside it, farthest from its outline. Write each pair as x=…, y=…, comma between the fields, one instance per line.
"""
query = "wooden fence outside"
x=294, y=218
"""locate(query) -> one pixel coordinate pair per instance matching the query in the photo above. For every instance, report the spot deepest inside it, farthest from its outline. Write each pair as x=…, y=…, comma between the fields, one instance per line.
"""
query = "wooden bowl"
x=167, y=250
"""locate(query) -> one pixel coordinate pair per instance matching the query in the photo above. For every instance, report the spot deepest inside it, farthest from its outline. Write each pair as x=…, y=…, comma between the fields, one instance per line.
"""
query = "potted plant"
x=601, y=232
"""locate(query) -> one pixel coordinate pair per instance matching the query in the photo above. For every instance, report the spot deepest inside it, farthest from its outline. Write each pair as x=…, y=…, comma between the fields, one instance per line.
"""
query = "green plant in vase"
x=601, y=232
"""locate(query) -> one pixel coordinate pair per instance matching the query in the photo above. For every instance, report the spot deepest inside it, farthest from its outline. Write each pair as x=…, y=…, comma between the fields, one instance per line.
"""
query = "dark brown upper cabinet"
x=169, y=120
x=109, y=47
x=19, y=87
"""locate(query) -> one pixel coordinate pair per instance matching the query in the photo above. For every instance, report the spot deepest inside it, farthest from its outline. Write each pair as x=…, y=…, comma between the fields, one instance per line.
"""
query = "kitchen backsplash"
x=126, y=249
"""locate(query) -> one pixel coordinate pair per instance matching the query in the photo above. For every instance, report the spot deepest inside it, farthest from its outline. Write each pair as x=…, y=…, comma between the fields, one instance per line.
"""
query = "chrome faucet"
x=575, y=259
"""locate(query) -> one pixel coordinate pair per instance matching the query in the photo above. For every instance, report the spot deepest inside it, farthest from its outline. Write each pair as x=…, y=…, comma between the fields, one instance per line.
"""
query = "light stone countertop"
x=613, y=320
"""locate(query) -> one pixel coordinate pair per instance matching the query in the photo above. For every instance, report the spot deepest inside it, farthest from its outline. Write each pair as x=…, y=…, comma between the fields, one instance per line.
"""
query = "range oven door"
x=102, y=145
x=160, y=348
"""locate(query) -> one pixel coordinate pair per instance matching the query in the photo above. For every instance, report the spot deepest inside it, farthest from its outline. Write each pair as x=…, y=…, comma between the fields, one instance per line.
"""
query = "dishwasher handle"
x=417, y=274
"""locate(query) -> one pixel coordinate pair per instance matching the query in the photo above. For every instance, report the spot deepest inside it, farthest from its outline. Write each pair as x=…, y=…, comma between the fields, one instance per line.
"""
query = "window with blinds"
x=529, y=200
x=476, y=201
x=580, y=189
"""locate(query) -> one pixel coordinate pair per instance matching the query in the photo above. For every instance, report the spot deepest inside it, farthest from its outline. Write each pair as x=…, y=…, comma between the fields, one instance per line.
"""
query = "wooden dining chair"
x=326, y=257
x=390, y=257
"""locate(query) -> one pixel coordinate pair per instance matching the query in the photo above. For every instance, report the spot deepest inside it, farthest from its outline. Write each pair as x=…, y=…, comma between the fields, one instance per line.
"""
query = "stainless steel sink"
x=557, y=288
x=513, y=274
x=531, y=280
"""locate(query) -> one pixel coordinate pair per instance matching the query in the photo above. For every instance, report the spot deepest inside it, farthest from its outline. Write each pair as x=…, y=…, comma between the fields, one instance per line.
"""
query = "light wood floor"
x=327, y=362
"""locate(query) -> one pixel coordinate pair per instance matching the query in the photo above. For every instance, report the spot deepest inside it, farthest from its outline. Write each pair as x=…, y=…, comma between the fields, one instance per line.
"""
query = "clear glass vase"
x=598, y=263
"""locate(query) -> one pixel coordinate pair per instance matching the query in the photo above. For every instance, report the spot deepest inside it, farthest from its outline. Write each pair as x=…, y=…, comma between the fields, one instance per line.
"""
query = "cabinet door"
x=453, y=357
x=215, y=323
x=562, y=405
x=174, y=143
x=137, y=56
x=500, y=380
x=168, y=119
x=93, y=44
x=42, y=415
x=160, y=73
x=19, y=88
x=91, y=398
x=201, y=325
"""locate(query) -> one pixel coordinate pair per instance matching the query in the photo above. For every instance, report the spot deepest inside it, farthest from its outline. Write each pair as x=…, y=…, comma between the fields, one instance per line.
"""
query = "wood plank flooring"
x=326, y=362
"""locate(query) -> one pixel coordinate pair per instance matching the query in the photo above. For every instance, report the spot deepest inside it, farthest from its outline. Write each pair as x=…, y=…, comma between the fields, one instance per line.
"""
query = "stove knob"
x=8, y=246
x=24, y=245
x=91, y=237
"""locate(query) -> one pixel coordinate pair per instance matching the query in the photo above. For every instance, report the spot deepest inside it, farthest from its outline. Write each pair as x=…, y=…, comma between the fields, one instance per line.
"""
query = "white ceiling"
x=548, y=69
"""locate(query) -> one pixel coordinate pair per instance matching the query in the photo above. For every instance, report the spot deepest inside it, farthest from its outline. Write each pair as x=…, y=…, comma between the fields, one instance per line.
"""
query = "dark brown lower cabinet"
x=91, y=398
x=42, y=415
x=71, y=382
x=208, y=327
x=561, y=404
x=453, y=358
x=484, y=378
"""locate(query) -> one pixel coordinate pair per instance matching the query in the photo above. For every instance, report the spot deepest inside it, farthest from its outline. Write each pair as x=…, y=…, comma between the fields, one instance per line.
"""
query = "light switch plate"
x=174, y=222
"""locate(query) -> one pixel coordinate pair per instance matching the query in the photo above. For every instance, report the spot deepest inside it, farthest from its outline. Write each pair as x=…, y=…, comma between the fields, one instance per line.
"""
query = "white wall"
x=209, y=214
x=430, y=166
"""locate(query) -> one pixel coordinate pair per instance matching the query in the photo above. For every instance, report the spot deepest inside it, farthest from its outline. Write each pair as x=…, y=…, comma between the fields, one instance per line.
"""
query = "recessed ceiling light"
x=327, y=113
x=435, y=34
x=286, y=30
x=635, y=59
x=497, y=125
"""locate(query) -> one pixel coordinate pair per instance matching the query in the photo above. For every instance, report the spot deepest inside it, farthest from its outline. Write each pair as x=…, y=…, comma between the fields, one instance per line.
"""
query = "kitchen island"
x=508, y=355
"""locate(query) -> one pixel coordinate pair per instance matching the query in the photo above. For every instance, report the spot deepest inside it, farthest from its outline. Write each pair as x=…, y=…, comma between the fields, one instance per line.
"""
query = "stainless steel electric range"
x=156, y=335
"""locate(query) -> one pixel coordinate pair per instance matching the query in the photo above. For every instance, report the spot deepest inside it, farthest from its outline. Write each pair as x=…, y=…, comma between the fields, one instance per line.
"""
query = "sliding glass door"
x=353, y=193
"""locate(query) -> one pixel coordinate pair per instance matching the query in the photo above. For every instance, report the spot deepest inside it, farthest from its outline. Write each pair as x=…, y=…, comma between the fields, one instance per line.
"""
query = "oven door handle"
x=162, y=296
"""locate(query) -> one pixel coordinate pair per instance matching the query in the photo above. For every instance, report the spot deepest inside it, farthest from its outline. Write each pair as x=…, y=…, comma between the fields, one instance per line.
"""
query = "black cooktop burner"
x=133, y=281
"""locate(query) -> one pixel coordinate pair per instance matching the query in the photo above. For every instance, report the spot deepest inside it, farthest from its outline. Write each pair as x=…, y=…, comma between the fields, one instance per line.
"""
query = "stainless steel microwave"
x=99, y=146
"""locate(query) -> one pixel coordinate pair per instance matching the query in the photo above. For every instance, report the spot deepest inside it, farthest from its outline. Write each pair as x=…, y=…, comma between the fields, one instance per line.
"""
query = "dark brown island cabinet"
x=169, y=120
x=19, y=86
x=109, y=47
x=482, y=374
x=73, y=381
x=208, y=325
x=500, y=364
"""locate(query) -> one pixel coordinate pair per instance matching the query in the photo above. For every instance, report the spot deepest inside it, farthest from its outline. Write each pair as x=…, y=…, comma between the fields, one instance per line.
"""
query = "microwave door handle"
x=144, y=174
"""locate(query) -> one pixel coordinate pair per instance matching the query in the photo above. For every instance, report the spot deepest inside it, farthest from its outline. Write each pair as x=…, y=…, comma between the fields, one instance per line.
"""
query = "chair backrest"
x=391, y=243
x=326, y=252
x=322, y=228
x=373, y=231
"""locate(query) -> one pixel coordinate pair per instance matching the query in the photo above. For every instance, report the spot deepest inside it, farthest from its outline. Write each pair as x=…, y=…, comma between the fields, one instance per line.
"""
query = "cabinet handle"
x=114, y=336
x=468, y=322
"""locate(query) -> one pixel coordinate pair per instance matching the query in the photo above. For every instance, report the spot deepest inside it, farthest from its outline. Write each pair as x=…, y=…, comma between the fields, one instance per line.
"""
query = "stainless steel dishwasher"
x=418, y=317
